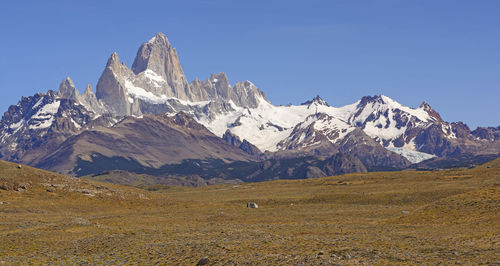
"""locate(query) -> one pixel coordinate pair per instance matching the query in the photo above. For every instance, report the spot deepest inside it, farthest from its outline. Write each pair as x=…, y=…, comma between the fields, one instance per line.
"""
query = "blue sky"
x=444, y=52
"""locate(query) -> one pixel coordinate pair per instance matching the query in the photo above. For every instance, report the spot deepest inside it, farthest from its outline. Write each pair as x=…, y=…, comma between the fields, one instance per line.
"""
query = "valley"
x=407, y=217
x=256, y=133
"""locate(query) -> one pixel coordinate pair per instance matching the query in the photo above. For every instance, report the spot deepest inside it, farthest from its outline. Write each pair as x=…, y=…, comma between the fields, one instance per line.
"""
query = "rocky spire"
x=67, y=89
x=246, y=94
x=221, y=86
x=158, y=56
x=89, y=99
x=243, y=94
x=156, y=74
x=152, y=54
x=113, y=62
x=88, y=90
x=110, y=87
x=215, y=87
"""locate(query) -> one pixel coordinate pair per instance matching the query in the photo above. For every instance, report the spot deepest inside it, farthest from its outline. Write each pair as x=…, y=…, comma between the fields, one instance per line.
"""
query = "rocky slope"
x=150, y=141
x=39, y=124
x=216, y=171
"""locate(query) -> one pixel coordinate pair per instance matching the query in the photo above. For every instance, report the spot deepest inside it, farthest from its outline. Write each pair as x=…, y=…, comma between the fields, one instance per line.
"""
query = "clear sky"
x=444, y=52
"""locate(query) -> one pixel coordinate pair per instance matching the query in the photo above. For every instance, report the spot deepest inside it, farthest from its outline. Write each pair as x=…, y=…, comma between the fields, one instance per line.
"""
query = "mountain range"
x=149, y=119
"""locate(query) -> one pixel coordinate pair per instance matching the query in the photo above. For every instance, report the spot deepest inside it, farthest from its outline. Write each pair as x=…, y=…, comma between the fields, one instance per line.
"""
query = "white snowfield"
x=140, y=93
x=268, y=126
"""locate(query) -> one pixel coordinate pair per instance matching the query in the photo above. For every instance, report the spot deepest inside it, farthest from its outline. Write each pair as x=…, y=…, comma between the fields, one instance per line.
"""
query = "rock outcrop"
x=111, y=88
x=487, y=133
x=158, y=59
x=217, y=87
x=244, y=145
x=67, y=90
x=340, y=164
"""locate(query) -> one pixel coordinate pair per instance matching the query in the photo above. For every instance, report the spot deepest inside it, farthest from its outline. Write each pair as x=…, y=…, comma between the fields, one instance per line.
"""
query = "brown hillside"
x=448, y=217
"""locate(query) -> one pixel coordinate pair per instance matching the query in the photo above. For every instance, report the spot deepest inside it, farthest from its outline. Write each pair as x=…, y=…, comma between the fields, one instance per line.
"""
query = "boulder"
x=252, y=205
x=203, y=261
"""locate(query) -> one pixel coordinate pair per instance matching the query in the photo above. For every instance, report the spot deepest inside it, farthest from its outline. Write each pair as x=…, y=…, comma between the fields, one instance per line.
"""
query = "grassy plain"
x=412, y=217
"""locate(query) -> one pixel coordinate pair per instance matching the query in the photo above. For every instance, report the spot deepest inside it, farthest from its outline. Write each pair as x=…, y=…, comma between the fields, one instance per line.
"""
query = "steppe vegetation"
x=412, y=217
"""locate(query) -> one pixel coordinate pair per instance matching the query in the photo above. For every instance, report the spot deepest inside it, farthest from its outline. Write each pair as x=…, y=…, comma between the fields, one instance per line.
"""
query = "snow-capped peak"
x=386, y=120
x=158, y=36
x=317, y=100
x=382, y=104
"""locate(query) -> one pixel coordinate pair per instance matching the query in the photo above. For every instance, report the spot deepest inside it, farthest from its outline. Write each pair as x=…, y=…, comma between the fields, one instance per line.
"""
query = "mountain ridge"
x=377, y=130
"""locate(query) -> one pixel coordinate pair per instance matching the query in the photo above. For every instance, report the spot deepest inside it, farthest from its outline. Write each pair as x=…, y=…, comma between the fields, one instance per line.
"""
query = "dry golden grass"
x=376, y=218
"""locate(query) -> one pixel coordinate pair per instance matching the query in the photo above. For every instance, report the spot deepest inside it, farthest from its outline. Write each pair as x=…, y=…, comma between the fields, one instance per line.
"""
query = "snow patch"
x=412, y=156
x=17, y=125
x=50, y=108
x=13, y=146
x=37, y=103
x=76, y=124
x=448, y=131
x=420, y=113
x=150, y=74
x=45, y=116
x=152, y=40
x=142, y=94
x=331, y=126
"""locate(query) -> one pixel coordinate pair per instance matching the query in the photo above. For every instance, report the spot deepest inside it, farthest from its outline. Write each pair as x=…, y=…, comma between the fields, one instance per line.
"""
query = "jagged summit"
x=160, y=37
x=217, y=87
x=382, y=102
x=68, y=81
x=67, y=89
x=158, y=60
x=382, y=99
x=158, y=55
x=110, y=87
x=427, y=108
x=88, y=90
x=317, y=100
x=113, y=60
x=157, y=76
x=424, y=105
